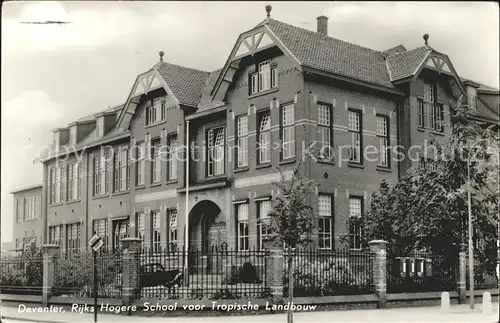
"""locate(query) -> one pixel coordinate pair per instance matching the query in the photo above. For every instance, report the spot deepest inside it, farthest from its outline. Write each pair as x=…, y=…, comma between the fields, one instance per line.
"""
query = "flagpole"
x=186, y=233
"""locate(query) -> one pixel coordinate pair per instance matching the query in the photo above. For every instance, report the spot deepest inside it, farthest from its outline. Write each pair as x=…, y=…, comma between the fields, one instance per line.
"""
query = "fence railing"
x=421, y=272
x=74, y=272
x=215, y=274
x=330, y=272
x=485, y=276
x=22, y=273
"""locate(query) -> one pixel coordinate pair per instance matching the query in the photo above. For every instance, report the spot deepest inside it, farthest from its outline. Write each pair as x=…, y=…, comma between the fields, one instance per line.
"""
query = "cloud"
x=87, y=28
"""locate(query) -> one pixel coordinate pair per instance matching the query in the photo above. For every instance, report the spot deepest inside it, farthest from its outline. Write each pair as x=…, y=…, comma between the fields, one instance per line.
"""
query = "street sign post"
x=95, y=243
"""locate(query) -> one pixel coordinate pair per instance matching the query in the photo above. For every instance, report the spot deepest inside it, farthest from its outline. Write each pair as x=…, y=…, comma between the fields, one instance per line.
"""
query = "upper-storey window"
x=325, y=126
x=156, y=112
x=216, y=158
x=355, y=130
x=56, y=186
x=242, y=141
x=19, y=210
x=173, y=148
x=471, y=97
x=156, y=160
x=73, y=189
x=122, y=170
x=430, y=113
x=140, y=163
x=101, y=164
x=264, y=143
x=383, y=140
x=30, y=208
x=265, y=78
x=288, y=131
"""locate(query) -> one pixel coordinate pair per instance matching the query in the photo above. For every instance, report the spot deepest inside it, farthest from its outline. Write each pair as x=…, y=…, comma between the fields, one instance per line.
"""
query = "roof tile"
x=404, y=64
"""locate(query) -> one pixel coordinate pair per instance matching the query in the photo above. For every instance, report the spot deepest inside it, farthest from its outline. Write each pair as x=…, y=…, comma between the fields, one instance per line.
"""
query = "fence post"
x=130, y=270
x=462, y=271
x=50, y=254
x=379, y=247
x=274, y=273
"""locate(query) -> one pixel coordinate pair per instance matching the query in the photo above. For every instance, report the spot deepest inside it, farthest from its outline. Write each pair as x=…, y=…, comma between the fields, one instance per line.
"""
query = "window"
x=155, y=231
x=242, y=231
x=355, y=131
x=428, y=164
x=122, y=170
x=172, y=229
x=139, y=225
x=120, y=231
x=383, y=140
x=263, y=222
x=430, y=113
x=325, y=221
x=156, y=161
x=30, y=208
x=19, y=210
x=140, y=164
x=288, y=131
x=216, y=148
x=264, y=143
x=265, y=78
x=73, y=236
x=156, y=111
x=325, y=125
x=355, y=214
x=471, y=97
x=242, y=141
x=73, y=189
x=172, y=157
x=101, y=228
x=101, y=165
x=56, y=186
x=55, y=234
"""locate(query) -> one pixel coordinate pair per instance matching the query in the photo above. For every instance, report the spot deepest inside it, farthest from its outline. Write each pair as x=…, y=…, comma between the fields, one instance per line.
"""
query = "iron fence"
x=22, y=273
x=485, y=276
x=214, y=274
x=329, y=272
x=421, y=272
x=74, y=272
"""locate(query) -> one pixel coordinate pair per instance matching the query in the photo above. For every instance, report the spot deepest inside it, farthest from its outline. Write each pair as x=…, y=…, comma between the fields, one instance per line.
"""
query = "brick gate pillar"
x=50, y=255
x=274, y=273
x=130, y=271
x=379, y=247
x=462, y=271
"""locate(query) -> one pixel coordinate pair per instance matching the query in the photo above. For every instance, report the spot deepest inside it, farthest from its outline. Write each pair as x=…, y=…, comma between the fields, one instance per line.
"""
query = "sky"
x=55, y=74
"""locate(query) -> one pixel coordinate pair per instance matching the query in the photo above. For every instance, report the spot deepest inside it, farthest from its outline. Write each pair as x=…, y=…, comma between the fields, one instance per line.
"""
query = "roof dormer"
x=105, y=121
x=61, y=137
x=471, y=94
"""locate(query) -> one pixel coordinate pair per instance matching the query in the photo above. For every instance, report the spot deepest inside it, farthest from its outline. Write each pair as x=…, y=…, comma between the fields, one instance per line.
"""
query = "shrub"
x=327, y=276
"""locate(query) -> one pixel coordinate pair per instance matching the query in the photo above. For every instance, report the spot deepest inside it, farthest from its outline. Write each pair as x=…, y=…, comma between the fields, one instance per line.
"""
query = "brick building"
x=280, y=84
x=28, y=221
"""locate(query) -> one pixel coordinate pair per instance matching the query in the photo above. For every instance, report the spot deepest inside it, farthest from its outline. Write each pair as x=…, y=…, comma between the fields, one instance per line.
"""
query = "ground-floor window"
x=73, y=236
x=242, y=230
x=55, y=234
x=325, y=221
x=120, y=231
x=263, y=222
x=172, y=229
x=139, y=226
x=155, y=231
x=100, y=227
x=355, y=214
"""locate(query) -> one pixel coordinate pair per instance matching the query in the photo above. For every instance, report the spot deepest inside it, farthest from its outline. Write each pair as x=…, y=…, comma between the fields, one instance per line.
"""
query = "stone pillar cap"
x=378, y=242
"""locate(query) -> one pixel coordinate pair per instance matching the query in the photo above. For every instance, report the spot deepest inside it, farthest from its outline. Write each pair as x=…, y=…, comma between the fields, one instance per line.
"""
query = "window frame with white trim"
x=155, y=160
x=241, y=141
x=287, y=131
x=242, y=225
x=354, y=230
x=216, y=147
x=325, y=127
x=355, y=128
x=325, y=221
x=264, y=208
x=172, y=160
x=264, y=137
x=383, y=136
x=264, y=78
x=140, y=168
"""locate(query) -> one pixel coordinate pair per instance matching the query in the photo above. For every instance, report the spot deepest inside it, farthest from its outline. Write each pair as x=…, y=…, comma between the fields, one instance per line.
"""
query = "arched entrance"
x=207, y=237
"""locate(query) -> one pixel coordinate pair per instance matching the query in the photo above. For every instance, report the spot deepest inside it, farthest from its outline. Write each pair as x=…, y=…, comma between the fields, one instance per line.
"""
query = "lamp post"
x=471, y=252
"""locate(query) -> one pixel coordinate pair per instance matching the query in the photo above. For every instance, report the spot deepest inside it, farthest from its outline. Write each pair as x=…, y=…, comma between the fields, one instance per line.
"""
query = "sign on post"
x=95, y=242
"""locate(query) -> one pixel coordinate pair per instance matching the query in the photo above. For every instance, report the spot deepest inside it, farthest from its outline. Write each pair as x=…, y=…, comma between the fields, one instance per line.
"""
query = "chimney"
x=323, y=25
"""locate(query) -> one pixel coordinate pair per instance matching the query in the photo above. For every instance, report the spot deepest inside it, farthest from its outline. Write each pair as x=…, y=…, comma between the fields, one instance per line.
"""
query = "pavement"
x=457, y=314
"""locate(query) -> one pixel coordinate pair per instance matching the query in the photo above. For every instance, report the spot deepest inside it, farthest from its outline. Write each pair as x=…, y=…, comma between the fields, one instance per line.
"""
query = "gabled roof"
x=332, y=55
x=186, y=83
x=483, y=87
x=27, y=188
x=403, y=65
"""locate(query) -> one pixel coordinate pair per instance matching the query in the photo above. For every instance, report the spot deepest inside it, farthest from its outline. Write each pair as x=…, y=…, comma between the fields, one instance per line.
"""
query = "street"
x=459, y=313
